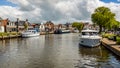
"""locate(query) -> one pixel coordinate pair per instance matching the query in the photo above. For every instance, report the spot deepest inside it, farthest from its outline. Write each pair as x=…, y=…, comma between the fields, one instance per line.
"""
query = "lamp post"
x=17, y=24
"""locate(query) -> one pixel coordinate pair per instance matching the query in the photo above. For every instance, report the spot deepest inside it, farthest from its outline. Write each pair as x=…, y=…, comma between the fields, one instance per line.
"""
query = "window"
x=0, y=23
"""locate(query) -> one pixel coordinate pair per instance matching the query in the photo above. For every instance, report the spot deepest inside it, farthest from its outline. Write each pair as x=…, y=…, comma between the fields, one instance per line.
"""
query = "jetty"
x=111, y=45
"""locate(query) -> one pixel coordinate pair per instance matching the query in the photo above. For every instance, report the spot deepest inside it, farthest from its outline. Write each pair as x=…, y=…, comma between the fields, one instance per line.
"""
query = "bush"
x=108, y=35
x=118, y=40
x=13, y=33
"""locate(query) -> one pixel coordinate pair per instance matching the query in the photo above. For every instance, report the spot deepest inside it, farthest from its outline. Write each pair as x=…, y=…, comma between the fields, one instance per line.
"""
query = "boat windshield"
x=89, y=33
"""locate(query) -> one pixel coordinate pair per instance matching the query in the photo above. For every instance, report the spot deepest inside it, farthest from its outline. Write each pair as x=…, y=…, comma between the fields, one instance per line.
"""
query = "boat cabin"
x=31, y=31
x=89, y=32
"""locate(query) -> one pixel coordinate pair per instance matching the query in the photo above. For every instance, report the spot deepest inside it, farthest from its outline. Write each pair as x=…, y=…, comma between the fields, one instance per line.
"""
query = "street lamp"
x=17, y=24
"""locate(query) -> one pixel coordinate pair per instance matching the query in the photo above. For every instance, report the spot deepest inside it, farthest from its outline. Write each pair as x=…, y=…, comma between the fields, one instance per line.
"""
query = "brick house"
x=3, y=24
x=49, y=25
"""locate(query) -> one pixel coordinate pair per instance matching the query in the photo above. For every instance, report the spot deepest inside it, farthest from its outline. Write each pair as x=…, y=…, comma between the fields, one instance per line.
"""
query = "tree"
x=78, y=25
x=26, y=25
x=116, y=25
x=103, y=17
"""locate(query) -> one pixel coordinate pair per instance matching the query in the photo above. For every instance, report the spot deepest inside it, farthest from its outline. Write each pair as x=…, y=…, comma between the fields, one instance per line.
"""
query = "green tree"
x=26, y=25
x=116, y=25
x=78, y=25
x=103, y=17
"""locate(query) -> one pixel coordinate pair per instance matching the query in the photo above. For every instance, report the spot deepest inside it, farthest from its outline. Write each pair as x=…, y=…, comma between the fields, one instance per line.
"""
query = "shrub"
x=108, y=35
x=3, y=34
x=13, y=33
x=118, y=40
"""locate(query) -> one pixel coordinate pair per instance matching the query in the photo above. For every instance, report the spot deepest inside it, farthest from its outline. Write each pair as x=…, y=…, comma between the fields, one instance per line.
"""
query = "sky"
x=58, y=11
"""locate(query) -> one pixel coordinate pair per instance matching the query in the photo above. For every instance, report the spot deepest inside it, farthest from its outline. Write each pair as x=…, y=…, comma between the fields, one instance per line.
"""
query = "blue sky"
x=5, y=2
x=107, y=1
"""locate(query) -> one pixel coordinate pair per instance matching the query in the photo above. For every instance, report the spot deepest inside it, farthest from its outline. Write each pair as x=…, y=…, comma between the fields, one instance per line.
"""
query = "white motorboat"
x=30, y=33
x=89, y=38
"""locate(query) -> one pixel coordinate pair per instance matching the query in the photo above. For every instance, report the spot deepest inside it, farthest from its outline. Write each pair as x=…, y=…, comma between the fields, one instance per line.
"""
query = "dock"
x=111, y=45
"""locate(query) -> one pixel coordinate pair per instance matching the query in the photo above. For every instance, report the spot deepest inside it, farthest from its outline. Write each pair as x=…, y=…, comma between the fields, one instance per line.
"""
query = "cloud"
x=118, y=0
x=59, y=11
x=9, y=12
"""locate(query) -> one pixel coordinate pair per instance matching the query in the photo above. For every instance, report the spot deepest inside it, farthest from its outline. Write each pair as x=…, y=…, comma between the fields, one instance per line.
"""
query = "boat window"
x=95, y=33
x=89, y=33
x=85, y=33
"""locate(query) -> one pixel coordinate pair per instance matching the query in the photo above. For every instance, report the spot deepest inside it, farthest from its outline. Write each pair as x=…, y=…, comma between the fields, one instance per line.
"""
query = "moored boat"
x=89, y=38
x=61, y=31
x=30, y=33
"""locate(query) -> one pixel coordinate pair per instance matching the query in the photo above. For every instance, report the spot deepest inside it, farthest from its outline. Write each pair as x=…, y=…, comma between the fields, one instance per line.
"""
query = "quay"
x=111, y=45
x=9, y=37
x=16, y=36
x=44, y=33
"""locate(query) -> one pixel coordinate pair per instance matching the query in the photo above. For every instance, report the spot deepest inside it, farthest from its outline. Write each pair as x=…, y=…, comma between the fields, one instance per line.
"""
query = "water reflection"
x=53, y=51
x=97, y=57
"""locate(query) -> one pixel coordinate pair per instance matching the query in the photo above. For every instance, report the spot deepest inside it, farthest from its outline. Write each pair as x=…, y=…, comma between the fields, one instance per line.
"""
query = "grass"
x=7, y=34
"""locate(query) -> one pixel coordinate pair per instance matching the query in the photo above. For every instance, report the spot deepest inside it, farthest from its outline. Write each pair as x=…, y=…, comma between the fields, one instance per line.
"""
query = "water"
x=54, y=51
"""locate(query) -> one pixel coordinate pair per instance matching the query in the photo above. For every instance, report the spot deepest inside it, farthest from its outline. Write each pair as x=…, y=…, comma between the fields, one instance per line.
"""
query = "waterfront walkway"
x=111, y=45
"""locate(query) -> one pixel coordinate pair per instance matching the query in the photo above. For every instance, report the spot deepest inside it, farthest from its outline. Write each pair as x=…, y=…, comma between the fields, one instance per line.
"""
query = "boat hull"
x=30, y=35
x=58, y=31
x=90, y=42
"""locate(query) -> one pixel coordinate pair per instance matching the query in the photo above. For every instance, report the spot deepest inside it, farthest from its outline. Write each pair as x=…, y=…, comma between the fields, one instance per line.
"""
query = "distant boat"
x=89, y=38
x=30, y=33
x=76, y=31
x=61, y=31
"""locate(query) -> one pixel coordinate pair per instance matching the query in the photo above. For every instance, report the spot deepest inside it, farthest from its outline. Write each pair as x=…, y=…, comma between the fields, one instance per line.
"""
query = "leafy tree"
x=116, y=25
x=26, y=25
x=78, y=25
x=103, y=17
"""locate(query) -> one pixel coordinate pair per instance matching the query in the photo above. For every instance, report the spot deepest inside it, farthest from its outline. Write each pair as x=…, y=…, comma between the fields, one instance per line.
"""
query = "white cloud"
x=59, y=11
x=115, y=9
x=118, y=0
x=9, y=12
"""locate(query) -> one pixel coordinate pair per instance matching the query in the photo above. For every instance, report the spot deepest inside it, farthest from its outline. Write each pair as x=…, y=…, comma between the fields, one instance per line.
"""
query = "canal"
x=54, y=51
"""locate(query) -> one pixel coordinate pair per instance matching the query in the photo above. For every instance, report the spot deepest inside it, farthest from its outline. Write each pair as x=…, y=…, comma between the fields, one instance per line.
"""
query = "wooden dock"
x=111, y=45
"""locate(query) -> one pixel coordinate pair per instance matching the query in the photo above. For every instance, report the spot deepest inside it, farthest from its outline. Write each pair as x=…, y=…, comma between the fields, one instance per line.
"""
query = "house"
x=49, y=26
x=17, y=26
x=3, y=23
x=11, y=27
x=42, y=27
x=20, y=25
x=36, y=26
